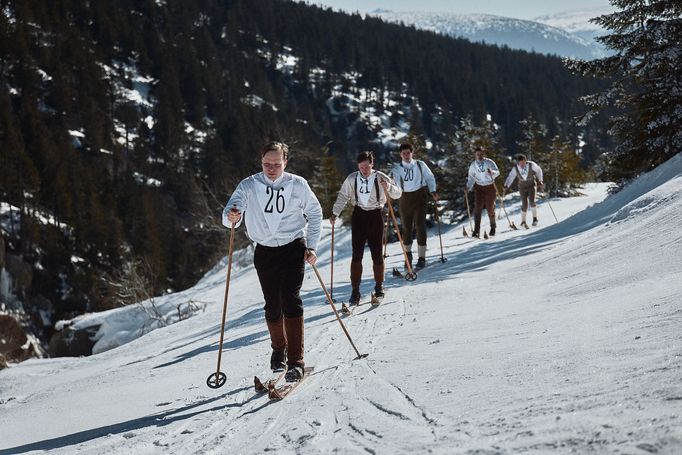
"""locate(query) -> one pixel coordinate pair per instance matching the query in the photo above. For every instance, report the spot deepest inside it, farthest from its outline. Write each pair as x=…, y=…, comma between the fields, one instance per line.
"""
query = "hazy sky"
x=526, y=9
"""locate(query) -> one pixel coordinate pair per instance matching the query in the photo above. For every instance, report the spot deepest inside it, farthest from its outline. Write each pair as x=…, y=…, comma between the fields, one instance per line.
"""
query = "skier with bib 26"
x=366, y=189
x=416, y=180
x=283, y=217
x=527, y=173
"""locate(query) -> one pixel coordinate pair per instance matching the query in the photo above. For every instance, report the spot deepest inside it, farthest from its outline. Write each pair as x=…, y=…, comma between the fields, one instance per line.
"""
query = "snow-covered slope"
x=564, y=338
x=503, y=31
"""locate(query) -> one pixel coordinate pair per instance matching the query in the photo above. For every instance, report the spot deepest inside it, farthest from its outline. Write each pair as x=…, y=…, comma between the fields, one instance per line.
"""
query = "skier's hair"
x=366, y=156
x=405, y=146
x=520, y=157
x=477, y=148
x=276, y=147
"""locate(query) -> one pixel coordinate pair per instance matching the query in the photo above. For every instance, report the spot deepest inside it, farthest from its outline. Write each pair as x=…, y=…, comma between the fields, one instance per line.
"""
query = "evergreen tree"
x=534, y=141
x=563, y=171
x=326, y=182
x=646, y=81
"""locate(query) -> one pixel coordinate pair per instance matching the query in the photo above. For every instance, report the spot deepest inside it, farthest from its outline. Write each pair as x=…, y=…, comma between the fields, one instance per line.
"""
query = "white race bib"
x=274, y=203
x=411, y=177
x=364, y=186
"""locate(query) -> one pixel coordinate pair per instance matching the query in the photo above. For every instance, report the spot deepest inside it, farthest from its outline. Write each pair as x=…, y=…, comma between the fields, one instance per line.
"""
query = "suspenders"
x=355, y=186
x=421, y=174
x=531, y=172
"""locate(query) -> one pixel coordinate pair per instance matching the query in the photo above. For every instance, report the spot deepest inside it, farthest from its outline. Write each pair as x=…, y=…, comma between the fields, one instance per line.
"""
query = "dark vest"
x=530, y=180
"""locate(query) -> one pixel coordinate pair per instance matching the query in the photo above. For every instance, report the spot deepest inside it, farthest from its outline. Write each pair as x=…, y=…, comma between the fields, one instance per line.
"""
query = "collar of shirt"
x=406, y=164
x=276, y=183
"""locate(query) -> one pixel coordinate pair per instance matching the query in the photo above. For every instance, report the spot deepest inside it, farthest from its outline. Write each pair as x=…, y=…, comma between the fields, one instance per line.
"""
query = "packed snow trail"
x=565, y=337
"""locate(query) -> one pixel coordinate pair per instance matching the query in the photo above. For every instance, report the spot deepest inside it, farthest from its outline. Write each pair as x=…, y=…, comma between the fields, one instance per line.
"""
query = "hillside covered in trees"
x=124, y=125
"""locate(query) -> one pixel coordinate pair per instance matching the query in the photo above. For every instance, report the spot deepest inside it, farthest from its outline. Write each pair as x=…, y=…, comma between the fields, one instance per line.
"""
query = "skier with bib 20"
x=417, y=181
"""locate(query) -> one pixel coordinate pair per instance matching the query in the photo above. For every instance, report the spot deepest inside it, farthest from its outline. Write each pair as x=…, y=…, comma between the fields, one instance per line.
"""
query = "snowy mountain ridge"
x=532, y=36
x=563, y=338
x=577, y=21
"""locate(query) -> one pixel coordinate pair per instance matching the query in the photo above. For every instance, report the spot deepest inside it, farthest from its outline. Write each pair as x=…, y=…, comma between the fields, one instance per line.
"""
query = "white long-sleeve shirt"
x=413, y=176
x=363, y=191
x=522, y=173
x=277, y=213
x=478, y=173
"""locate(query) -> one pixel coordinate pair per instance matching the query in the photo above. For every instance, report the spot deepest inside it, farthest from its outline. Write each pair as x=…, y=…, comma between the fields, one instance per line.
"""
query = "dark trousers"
x=280, y=272
x=412, y=210
x=485, y=198
x=367, y=226
x=527, y=191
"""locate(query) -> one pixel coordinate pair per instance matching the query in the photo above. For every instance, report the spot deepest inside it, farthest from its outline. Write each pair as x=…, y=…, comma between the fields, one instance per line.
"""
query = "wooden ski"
x=279, y=393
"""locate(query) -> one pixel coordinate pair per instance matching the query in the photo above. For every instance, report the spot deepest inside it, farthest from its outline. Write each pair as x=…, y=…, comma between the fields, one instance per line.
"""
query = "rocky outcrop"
x=15, y=345
x=42, y=311
x=69, y=342
x=22, y=272
x=2, y=252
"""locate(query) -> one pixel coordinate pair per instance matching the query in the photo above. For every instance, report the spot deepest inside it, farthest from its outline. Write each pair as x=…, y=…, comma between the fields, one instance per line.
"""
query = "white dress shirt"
x=413, y=175
x=365, y=200
x=523, y=173
x=277, y=213
x=478, y=173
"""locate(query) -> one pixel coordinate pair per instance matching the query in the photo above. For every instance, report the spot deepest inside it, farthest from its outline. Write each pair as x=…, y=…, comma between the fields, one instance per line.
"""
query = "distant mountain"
x=577, y=22
x=503, y=31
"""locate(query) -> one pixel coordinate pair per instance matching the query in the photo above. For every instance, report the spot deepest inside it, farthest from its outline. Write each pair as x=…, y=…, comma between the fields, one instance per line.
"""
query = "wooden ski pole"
x=336, y=313
x=511, y=225
x=218, y=379
x=385, y=237
x=331, y=273
x=471, y=226
x=411, y=275
x=550, y=207
x=443, y=259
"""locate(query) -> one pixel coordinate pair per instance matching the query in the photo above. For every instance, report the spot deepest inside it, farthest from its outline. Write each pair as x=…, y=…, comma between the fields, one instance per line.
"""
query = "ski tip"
x=273, y=394
x=258, y=385
x=361, y=356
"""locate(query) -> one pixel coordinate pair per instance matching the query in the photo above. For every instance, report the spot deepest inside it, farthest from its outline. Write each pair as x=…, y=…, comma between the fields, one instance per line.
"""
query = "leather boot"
x=378, y=274
x=294, y=330
x=355, y=275
x=278, y=338
x=278, y=342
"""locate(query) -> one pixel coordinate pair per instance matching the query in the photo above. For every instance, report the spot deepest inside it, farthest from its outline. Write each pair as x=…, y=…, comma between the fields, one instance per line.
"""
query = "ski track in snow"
x=561, y=338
